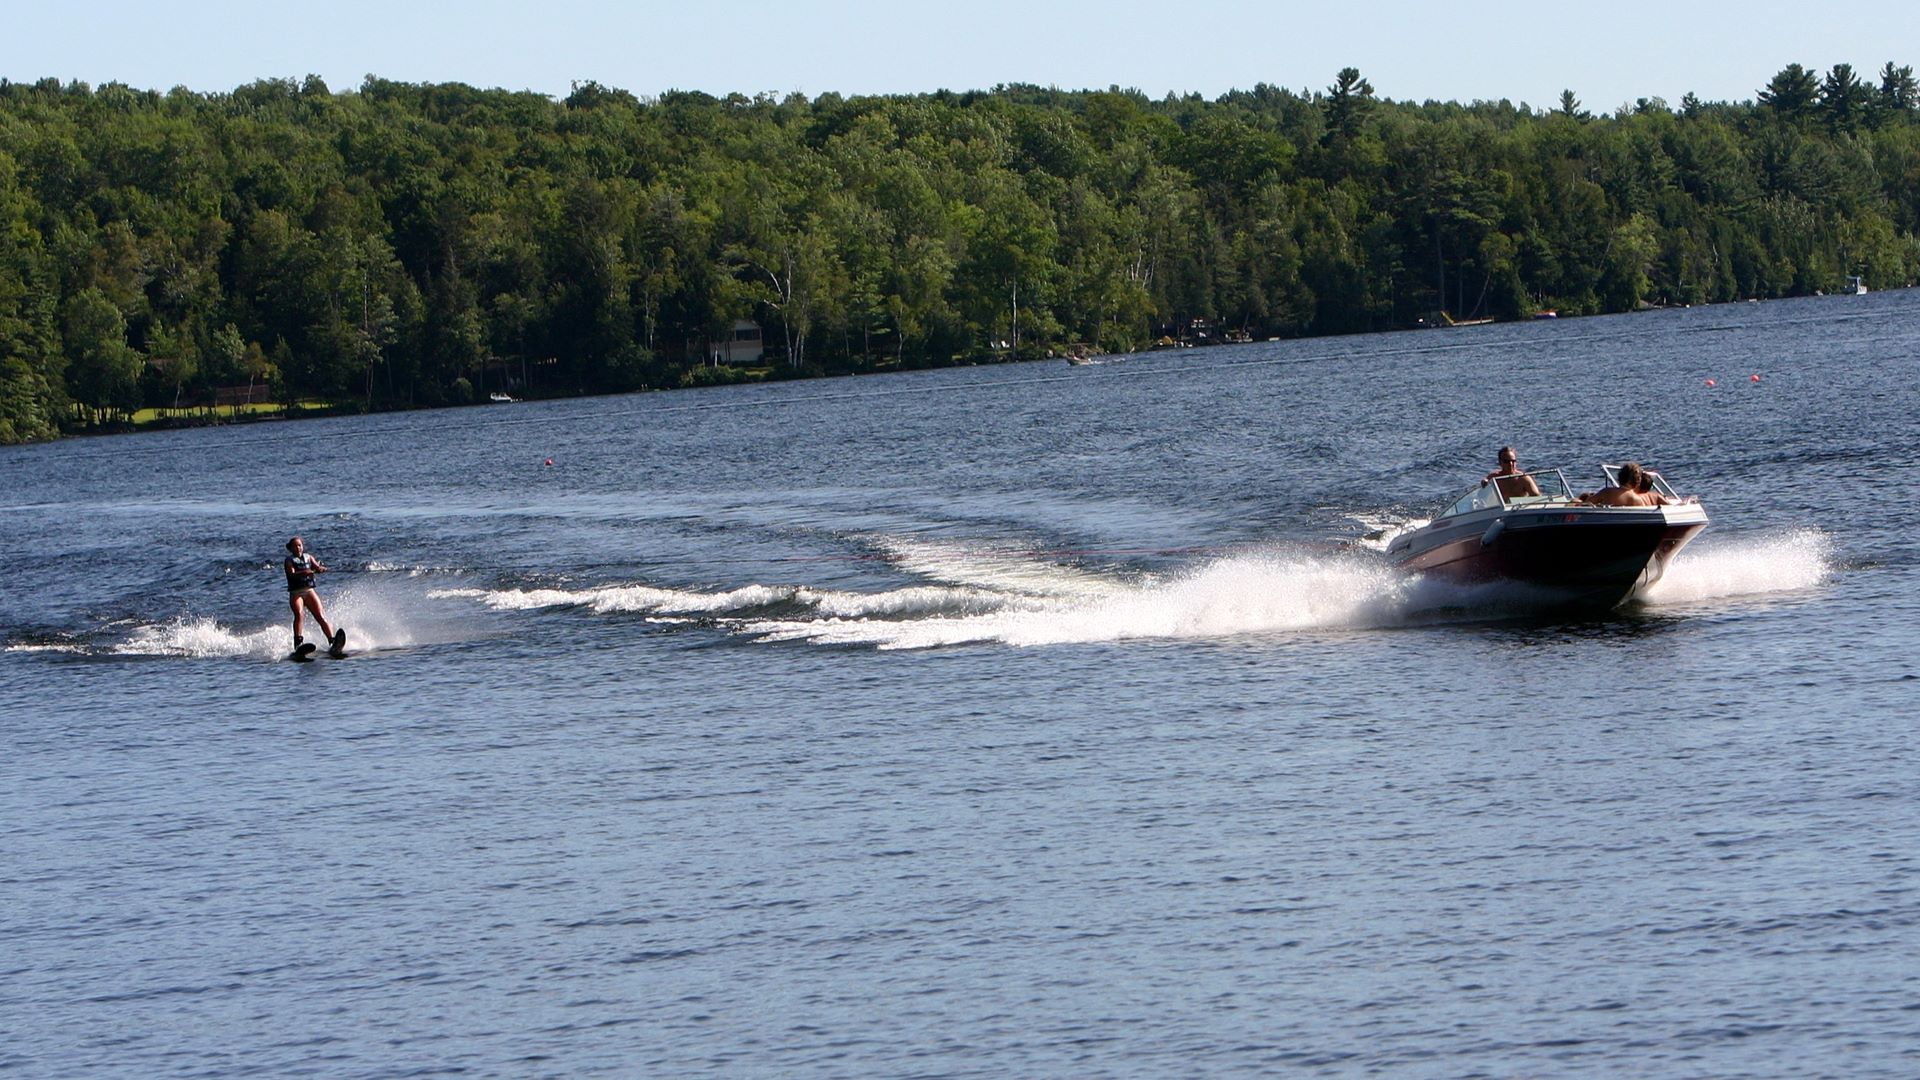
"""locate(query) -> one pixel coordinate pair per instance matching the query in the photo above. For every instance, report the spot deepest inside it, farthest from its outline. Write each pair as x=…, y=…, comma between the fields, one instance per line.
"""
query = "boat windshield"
x=1482, y=497
x=1553, y=488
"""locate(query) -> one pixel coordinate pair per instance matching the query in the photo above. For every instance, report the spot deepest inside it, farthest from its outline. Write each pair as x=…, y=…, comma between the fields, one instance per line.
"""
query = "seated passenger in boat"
x=1512, y=482
x=1625, y=493
x=1652, y=494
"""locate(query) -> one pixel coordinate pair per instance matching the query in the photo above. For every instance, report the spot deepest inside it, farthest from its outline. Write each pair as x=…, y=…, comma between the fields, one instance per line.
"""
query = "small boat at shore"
x=1552, y=548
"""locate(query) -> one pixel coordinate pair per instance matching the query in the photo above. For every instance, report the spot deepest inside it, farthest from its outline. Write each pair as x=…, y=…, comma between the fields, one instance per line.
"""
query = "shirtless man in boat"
x=1653, y=493
x=1628, y=492
x=1513, y=483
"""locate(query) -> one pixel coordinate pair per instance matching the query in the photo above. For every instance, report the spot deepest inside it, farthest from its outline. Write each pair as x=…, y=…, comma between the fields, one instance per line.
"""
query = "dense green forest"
x=409, y=245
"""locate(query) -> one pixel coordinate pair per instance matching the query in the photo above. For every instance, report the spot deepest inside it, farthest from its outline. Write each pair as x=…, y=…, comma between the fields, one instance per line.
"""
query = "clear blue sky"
x=1608, y=53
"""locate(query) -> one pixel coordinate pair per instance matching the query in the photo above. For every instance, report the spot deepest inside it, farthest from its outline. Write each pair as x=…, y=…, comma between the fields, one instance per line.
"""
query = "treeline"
x=413, y=245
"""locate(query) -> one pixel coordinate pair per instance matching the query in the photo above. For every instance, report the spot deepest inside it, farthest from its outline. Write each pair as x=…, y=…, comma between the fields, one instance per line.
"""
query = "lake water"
x=1010, y=721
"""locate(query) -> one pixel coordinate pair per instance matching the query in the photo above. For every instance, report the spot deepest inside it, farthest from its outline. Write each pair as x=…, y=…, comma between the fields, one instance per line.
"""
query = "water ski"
x=339, y=647
x=303, y=652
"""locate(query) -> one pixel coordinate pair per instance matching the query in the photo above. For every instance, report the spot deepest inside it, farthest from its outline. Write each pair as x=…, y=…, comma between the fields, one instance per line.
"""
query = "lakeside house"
x=744, y=348
x=253, y=393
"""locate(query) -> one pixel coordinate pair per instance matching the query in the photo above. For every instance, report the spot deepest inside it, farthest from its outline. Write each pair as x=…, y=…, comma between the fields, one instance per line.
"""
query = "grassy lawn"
x=223, y=412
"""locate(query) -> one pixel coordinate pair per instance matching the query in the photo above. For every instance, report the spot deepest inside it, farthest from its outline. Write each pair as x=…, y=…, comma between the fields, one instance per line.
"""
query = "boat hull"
x=1574, y=556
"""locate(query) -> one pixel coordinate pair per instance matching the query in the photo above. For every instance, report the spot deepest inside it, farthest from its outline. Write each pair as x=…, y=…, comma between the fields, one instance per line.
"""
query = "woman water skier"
x=301, y=568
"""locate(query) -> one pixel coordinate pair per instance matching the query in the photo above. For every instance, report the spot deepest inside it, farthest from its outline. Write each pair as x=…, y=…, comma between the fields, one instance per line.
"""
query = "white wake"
x=981, y=593
x=1747, y=566
x=376, y=616
x=1240, y=594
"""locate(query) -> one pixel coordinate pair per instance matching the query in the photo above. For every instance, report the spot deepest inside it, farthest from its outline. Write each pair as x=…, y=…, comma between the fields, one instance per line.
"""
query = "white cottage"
x=743, y=349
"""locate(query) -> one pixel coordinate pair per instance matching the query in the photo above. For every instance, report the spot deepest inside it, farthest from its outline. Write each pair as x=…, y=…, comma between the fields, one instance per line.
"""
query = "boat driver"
x=1513, y=483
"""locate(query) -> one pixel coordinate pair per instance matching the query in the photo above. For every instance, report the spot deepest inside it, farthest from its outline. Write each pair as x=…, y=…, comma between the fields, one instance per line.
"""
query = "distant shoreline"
x=408, y=246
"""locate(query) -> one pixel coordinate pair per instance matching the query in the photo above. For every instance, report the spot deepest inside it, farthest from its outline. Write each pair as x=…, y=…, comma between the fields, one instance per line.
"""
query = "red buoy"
x=1709, y=382
x=1756, y=378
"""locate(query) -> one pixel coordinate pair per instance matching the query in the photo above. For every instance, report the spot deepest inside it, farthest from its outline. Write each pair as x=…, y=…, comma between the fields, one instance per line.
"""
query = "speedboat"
x=1556, y=549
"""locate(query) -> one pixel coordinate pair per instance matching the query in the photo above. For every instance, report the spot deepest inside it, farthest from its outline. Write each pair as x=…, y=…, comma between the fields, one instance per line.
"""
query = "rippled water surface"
x=1024, y=720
